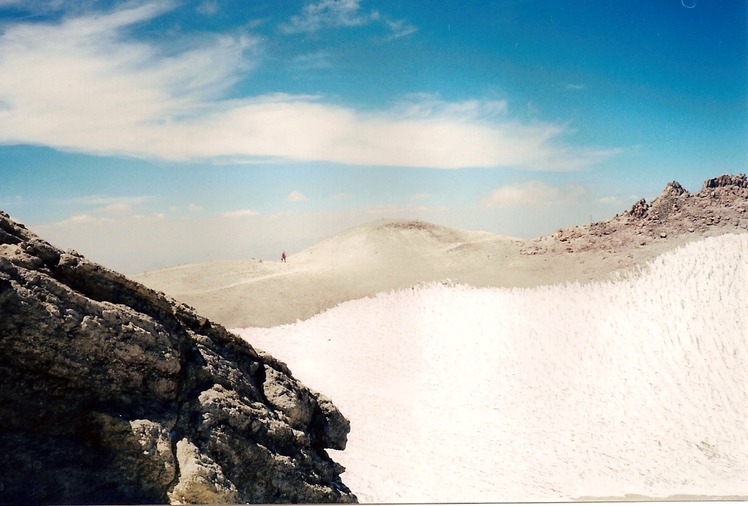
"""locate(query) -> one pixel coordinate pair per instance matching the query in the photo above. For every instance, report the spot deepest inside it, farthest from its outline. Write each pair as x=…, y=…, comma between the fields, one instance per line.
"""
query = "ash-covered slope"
x=392, y=254
x=110, y=392
x=378, y=256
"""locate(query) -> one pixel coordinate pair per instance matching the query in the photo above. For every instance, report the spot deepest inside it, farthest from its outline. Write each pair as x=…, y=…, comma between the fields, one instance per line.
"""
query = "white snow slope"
x=456, y=394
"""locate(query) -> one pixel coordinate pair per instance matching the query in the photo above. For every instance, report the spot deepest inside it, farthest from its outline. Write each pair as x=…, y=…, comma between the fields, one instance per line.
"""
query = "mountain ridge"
x=384, y=255
x=720, y=205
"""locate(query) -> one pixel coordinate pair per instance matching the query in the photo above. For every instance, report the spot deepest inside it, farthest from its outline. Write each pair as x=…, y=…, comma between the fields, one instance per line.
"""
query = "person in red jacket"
x=283, y=256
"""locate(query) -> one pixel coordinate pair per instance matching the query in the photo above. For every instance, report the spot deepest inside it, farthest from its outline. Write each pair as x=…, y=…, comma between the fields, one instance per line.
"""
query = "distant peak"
x=409, y=225
x=674, y=188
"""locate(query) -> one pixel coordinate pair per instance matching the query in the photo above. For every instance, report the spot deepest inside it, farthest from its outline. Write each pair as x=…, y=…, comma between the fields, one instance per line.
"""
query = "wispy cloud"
x=575, y=87
x=399, y=28
x=531, y=194
x=296, y=196
x=329, y=14
x=425, y=105
x=85, y=84
x=80, y=78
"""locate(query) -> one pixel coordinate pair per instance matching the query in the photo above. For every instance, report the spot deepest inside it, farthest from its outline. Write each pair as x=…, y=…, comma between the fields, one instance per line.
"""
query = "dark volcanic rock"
x=110, y=392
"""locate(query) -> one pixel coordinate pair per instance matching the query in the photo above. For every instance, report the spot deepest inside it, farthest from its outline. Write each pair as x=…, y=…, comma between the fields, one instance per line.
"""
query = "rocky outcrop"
x=113, y=393
x=726, y=181
x=720, y=206
x=722, y=202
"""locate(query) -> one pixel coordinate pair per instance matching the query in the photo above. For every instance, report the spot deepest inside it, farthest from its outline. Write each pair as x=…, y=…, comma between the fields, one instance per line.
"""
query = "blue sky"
x=148, y=133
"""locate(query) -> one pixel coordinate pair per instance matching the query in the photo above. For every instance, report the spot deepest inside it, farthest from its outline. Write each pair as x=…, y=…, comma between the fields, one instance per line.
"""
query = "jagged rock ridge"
x=720, y=206
x=111, y=392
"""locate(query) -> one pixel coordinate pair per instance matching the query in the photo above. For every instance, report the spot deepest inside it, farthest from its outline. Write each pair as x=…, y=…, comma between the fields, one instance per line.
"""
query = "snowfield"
x=457, y=394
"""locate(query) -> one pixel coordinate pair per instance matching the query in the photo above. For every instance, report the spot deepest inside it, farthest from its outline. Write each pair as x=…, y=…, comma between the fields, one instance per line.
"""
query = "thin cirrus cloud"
x=83, y=84
x=329, y=14
x=399, y=28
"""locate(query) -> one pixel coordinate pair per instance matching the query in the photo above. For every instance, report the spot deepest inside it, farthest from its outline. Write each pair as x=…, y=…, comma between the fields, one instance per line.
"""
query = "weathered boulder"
x=113, y=393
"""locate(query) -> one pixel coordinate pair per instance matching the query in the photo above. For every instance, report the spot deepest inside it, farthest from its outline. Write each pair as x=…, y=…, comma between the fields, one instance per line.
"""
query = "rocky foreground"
x=113, y=393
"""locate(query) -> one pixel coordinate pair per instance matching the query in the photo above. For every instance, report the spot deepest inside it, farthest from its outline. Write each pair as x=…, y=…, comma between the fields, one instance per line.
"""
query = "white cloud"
x=296, y=196
x=79, y=83
x=430, y=105
x=83, y=84
x=531, y=194
x=329, y=14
